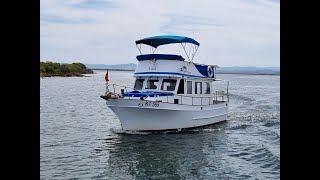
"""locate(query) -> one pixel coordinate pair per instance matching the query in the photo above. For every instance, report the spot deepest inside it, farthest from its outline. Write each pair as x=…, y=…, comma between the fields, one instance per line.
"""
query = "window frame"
x=155, y=79
x=143, y=82
x=187, y=89
x=205, y=89
x=183, y=86
x=175, y=86
x=196, y=87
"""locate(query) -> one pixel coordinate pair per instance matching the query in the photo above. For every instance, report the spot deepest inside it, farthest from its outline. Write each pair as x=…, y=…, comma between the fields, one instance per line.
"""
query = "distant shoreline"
x=63, y=75
x=112, y=69
x=217, y=72
x=251, y=74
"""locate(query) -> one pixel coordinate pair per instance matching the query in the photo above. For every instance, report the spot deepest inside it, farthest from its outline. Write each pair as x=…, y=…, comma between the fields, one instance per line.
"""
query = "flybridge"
x=171, y=64
x=156, y=41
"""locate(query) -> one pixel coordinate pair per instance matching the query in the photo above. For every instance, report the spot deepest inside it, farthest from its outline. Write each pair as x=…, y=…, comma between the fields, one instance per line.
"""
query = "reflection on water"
x=194, y=154
x=154, y=157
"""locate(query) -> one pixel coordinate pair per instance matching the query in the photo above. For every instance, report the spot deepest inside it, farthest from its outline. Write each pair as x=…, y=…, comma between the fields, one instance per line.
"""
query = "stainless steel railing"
x=215, y=98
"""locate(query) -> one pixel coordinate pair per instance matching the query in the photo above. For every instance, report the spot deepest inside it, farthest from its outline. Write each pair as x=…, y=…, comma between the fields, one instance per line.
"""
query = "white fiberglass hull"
x=143, y=115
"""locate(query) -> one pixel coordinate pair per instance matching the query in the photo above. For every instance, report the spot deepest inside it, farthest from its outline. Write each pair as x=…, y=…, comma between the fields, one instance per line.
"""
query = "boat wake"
x=207, y=128
x=120, y=131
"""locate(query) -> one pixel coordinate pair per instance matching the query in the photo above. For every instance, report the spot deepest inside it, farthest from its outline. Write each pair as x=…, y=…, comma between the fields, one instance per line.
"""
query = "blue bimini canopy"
x=160, y=56
x=156, y=41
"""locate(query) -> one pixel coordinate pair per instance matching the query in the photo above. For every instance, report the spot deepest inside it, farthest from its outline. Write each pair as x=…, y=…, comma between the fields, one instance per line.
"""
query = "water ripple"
x=80, y=138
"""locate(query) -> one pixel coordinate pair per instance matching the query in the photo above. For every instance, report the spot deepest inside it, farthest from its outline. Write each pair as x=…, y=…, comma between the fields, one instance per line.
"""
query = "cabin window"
x=181, y=87
x=198, y=87
x=207, y=88
x=189, y=87
x=152, y=84
x=138, y=84
x=168, y=84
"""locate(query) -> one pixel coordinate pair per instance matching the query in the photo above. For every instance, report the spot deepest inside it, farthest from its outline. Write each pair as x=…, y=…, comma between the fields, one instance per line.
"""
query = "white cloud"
x=231, y=33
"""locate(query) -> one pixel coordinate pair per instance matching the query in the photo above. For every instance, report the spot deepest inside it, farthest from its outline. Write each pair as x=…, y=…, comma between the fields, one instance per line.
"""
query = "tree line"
x=49, y=68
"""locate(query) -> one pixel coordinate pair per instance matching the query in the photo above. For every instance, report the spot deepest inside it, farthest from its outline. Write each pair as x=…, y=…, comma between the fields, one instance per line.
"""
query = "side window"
x=181, y=87
x=206, y=88
x=189, y=87
x=138, y=84
x=152, y=84
x=198, y=87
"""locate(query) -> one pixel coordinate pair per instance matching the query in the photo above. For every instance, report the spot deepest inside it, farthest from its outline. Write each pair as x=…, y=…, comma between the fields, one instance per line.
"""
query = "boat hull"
x=141, y=115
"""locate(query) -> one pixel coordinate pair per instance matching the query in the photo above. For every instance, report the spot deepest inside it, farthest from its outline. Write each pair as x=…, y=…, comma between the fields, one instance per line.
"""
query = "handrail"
x=216, y=98
x=213, y=99
x=119, y=85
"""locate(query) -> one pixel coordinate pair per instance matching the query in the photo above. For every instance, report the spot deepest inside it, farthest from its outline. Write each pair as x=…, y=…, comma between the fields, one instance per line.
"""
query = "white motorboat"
x=170, y=92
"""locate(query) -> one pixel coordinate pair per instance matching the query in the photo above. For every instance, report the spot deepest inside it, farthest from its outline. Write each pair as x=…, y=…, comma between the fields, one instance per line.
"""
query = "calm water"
x=81, y=138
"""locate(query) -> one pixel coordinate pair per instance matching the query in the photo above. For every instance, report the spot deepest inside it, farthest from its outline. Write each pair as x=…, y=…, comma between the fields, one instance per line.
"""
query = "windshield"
x=152, y=84
x=138, y=84
x=168, y=84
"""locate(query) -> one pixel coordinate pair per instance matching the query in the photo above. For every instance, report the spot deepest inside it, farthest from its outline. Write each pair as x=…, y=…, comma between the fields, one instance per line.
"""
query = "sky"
x=230, y=32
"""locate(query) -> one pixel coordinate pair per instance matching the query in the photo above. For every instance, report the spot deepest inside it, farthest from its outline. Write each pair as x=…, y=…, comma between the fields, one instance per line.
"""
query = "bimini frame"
x=156, y=41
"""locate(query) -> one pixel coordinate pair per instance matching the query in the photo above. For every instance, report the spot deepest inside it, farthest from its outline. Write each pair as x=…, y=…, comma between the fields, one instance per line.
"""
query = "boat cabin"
x=189, y=91
x=186, y=86
x=171, y=78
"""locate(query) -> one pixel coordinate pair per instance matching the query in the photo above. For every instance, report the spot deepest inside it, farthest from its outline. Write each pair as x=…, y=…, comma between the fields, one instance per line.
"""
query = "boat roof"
x=156, y=41
x=159, y=56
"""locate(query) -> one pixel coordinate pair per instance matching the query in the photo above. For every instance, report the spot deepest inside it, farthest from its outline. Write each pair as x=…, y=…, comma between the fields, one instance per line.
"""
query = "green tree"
x=62, y=69
x=42, y=69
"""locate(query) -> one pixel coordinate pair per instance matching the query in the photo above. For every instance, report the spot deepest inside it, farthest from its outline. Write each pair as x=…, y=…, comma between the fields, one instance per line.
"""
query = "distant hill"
x=248, y=70
x=221, y=70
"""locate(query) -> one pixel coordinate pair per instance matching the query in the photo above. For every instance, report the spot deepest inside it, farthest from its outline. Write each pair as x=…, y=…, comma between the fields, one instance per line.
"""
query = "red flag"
x=106, y=77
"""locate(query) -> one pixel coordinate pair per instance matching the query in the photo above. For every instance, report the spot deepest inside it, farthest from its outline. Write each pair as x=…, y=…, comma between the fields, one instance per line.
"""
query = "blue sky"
x=230, y=32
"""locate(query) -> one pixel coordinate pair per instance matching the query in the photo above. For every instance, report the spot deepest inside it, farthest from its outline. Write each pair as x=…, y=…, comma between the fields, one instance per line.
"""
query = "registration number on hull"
x=149, y=104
